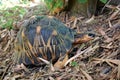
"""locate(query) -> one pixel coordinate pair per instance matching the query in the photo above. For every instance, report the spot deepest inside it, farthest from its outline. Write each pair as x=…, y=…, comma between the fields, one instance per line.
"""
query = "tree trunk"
x=86, y=9
x=91, y=7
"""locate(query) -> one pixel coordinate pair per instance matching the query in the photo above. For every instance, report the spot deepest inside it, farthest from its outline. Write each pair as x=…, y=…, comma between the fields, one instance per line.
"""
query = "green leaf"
x=104, y=1
x=82, y=1
x=74, y=64
x=58, y=4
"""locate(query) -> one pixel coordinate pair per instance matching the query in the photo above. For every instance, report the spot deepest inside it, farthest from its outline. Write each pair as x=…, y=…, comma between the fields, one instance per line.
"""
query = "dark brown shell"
x=45, y=37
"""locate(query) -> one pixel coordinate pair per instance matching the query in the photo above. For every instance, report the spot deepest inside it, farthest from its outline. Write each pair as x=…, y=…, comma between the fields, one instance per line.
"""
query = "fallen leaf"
x=86, y=75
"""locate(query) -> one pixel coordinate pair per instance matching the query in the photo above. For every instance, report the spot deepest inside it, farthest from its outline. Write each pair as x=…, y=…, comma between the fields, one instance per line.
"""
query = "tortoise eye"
x=91, y=35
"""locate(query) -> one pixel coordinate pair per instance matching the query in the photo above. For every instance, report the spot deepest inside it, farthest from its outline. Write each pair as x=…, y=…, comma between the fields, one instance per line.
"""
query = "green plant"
x=53, y=4
x=84, y=1
x=74, y=64
x=10, y=15
x=104, y=1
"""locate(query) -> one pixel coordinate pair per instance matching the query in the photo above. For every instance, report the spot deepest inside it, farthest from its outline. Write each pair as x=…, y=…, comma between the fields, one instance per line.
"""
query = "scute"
x=45, y=44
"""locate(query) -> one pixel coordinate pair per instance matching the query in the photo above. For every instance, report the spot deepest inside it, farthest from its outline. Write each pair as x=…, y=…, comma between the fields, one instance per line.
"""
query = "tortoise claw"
x=60, y=64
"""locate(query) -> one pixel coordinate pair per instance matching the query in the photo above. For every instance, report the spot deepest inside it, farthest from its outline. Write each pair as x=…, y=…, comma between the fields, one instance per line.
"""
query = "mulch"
x=97, y=60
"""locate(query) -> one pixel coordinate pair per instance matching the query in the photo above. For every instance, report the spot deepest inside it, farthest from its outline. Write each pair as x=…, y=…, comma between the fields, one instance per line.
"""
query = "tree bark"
x=91, y=7
x=86, y=9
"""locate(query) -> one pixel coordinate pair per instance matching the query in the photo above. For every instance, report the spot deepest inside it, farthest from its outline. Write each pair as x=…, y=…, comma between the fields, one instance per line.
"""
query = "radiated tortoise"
x=45, y=37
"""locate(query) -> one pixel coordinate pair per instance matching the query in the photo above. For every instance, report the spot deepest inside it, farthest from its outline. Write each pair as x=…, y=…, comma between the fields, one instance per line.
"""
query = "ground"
x=96, y=60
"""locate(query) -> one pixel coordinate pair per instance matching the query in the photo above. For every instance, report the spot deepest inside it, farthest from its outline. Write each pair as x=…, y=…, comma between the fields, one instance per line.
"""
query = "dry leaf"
x=86, y=75
x=113, y=61
x=107, y=39
x=114, y=15
x=118, y=73
x=90, y=20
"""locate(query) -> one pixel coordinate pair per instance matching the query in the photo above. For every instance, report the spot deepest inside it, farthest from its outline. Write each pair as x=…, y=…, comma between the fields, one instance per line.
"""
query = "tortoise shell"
x=45, y=37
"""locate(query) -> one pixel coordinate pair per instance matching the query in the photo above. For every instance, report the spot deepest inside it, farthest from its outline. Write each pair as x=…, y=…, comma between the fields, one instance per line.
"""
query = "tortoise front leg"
x=60, y=64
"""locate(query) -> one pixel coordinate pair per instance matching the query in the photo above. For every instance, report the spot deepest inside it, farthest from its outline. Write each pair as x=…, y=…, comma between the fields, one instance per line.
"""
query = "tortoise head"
x=83, y=37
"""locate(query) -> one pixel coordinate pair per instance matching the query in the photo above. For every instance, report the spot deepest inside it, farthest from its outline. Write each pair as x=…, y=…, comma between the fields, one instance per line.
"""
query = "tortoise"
x=46, y=37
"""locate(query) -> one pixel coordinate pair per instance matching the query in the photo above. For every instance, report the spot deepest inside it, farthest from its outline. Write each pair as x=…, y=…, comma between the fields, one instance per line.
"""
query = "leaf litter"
x=97, y=59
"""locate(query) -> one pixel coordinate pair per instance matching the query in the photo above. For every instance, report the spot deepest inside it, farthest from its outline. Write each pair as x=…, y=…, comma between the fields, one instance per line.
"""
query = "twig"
x=49, y=74
x=110, y=25
x=45, y=61
x=90, y=20
x=79, y=52
x=3, y=31
x=113, y=15
x=74, y=24
x=86, y=75
x=105, y=6
x=7, y=68
x=48, y=63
